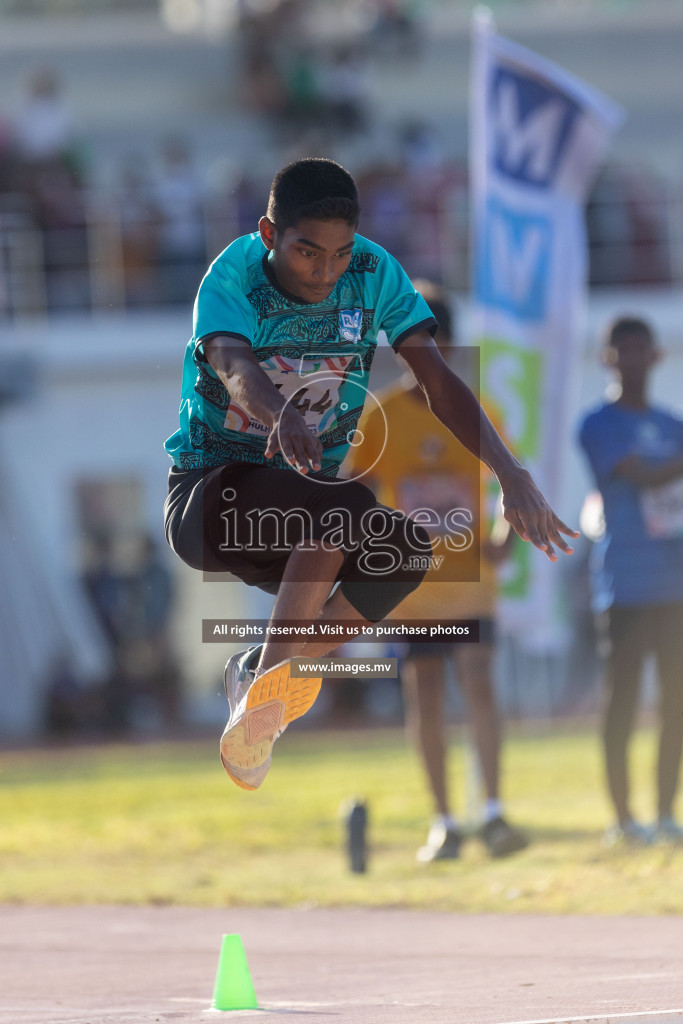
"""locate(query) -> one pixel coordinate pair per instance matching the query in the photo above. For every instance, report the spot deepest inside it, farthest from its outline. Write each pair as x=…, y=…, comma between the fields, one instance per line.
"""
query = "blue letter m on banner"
x=531, y=127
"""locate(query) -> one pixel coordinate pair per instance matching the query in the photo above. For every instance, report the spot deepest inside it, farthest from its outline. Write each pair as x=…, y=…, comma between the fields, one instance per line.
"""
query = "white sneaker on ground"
x=630, y=833
x=667, y=830
x=260, y=710
x=442, y=844
x=501, y=838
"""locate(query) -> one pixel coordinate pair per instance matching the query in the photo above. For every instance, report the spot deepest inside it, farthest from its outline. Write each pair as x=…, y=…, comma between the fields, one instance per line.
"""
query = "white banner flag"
x=538, y=136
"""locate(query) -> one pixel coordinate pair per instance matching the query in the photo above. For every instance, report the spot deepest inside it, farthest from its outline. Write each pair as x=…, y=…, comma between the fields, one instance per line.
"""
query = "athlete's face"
x=309, y=259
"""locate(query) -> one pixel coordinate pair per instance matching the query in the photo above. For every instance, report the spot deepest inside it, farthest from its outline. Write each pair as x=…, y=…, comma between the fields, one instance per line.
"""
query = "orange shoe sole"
x=238, y=782
x=274, y=700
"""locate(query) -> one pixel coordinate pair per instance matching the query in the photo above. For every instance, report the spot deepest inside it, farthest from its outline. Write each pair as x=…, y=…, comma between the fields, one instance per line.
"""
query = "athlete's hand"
x=530, y=515
x=298, y=445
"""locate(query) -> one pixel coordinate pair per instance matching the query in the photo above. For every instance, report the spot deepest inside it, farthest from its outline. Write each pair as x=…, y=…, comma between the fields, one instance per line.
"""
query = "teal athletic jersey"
x=318, y=355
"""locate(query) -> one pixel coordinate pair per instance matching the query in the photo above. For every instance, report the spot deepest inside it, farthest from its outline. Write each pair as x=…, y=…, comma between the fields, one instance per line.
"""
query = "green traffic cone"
x=233, y=989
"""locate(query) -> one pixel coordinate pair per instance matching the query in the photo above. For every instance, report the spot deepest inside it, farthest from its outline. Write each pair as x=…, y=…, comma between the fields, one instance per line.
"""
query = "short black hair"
x=625, y=326
x=435, y=297
x=314, y=188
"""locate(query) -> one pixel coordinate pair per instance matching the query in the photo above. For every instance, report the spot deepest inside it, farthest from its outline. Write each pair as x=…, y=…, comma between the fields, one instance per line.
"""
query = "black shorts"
x=245, y=520
x=647, y=629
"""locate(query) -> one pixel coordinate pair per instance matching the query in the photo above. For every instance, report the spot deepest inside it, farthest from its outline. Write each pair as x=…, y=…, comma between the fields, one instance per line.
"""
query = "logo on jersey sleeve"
x=350, y=324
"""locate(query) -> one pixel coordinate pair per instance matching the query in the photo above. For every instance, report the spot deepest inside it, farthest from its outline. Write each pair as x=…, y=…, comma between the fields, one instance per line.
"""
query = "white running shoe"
x=260, y=711
x=630, y=833
x=239, y=674
x=238, y=677
x=667, y=830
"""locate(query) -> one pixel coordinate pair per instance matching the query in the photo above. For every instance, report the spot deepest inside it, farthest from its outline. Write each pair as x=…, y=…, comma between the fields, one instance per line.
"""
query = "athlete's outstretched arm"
x=457, y=407
x=238, y=370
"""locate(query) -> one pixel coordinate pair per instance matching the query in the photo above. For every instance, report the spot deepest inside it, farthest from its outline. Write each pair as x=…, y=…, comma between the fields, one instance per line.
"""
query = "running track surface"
x=156, y=965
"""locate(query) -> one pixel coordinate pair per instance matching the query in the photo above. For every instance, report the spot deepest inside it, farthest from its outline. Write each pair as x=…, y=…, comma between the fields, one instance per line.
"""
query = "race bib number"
x=312, y=386
x=662, y=509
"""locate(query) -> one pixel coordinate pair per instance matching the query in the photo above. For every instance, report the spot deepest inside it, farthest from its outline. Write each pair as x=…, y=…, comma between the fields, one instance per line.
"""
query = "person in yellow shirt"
x=425, y=467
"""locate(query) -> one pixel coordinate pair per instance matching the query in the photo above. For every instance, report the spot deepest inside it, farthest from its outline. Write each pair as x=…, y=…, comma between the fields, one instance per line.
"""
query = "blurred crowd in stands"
x=69, y=244
x=91, y=246
x=287, y=74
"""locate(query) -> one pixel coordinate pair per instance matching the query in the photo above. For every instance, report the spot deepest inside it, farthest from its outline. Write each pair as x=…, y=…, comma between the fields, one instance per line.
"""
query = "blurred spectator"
x=64, y=699
x=433, y=471
x=132, y=593
x=7, y=155
x=146, y=644
x=179, y=200
x=262, y=80
x=344, y=88
x=646, y=201
x=323, y=91
x=287, y=73
x=421, y=150
x=139, y=226
x=247, y=207
x=44, y=128
x=635, y=450
x=394, y=27
x=428, y=184
x=386, y=209
x=627, y=228
x=104, y=586
x=302, y=99
x=268, y=31
x=583, y=661
x=61, y=208
x=234, y=205
x=49, y=171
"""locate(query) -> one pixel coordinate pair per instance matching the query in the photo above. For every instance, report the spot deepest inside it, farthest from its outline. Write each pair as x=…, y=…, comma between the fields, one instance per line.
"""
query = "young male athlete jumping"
x=274, y=382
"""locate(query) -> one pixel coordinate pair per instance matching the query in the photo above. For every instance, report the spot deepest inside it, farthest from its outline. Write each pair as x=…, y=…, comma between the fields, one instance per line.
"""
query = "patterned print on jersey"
x=318, y=355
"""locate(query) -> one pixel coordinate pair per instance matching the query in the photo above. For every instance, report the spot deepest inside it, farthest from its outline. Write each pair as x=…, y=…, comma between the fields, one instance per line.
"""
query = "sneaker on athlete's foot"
x=261, y=708
x=442, y=844
x=501, y=839
x=667, y=830
x=239, y=674
x=238, y=677
x=628, y=833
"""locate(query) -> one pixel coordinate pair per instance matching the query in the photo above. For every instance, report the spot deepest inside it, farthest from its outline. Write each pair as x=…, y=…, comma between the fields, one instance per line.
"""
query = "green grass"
x=161, y=823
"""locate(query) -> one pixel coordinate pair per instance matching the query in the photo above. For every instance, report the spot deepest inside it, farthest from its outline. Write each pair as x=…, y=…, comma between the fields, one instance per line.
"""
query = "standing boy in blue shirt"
x=635, y=450
x=274, y=382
